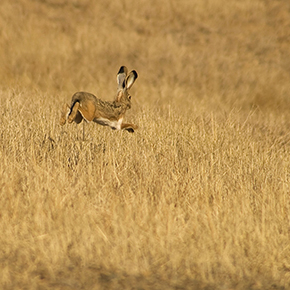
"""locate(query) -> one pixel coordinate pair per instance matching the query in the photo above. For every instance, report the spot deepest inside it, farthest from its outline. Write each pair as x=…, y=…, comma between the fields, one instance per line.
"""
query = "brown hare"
x=88, y=107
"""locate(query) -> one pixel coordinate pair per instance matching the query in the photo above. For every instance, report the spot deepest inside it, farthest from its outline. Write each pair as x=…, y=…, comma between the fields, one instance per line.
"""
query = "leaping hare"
x=88, y=107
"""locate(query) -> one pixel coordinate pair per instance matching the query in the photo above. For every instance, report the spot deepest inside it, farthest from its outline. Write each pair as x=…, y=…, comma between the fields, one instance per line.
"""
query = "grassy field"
x=198, y=197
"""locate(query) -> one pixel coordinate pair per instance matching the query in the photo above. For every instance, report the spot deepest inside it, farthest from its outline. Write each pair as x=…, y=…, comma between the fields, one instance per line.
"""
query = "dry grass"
x=198, y=197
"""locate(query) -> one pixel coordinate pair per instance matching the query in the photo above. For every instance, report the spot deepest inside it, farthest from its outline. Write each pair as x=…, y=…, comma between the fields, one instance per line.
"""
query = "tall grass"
x=197, y=198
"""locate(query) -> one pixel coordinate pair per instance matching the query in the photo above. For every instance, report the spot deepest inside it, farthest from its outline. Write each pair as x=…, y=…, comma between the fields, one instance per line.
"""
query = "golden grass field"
x=198, y=197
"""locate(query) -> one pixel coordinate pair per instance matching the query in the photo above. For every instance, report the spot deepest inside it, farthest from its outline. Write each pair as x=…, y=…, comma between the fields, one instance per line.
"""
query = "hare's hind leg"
x=129, y=127
x=64, y=114
x=74, y=112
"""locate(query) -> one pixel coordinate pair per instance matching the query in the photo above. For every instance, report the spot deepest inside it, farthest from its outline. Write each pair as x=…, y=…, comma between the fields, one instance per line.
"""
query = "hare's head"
x=125, y=82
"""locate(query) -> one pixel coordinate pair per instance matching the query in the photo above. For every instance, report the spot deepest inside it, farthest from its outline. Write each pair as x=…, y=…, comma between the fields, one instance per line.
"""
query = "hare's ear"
x=121, y=76
x=131, y=79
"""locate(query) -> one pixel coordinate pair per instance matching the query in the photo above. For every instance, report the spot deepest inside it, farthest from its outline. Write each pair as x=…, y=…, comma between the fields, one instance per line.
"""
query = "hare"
x=88, y=107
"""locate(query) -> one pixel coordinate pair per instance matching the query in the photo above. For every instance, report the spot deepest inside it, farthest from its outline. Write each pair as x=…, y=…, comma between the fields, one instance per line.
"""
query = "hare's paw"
x=129, y=127
x=130, y=130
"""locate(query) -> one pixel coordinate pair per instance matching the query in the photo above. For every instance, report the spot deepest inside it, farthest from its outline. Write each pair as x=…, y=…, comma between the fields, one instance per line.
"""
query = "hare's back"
x=83, y=97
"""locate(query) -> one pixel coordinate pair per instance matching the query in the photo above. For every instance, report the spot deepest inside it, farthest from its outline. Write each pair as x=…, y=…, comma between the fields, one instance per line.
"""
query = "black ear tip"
x=122, y=70
x=135, y=74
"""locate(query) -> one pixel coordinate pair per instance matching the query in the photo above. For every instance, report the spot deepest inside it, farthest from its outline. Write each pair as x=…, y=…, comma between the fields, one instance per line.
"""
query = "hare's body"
x=89, y=107
x=93, y=109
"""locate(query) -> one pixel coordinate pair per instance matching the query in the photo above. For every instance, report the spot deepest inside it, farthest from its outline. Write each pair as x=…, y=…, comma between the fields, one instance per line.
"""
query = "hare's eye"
x=129, y=97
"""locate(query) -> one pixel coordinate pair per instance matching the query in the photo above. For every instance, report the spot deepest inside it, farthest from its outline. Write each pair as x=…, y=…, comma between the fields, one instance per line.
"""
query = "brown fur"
x=89, y=107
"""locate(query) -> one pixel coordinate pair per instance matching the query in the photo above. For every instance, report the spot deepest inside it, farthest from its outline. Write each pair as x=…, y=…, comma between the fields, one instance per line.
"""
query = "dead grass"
x=197, y=198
